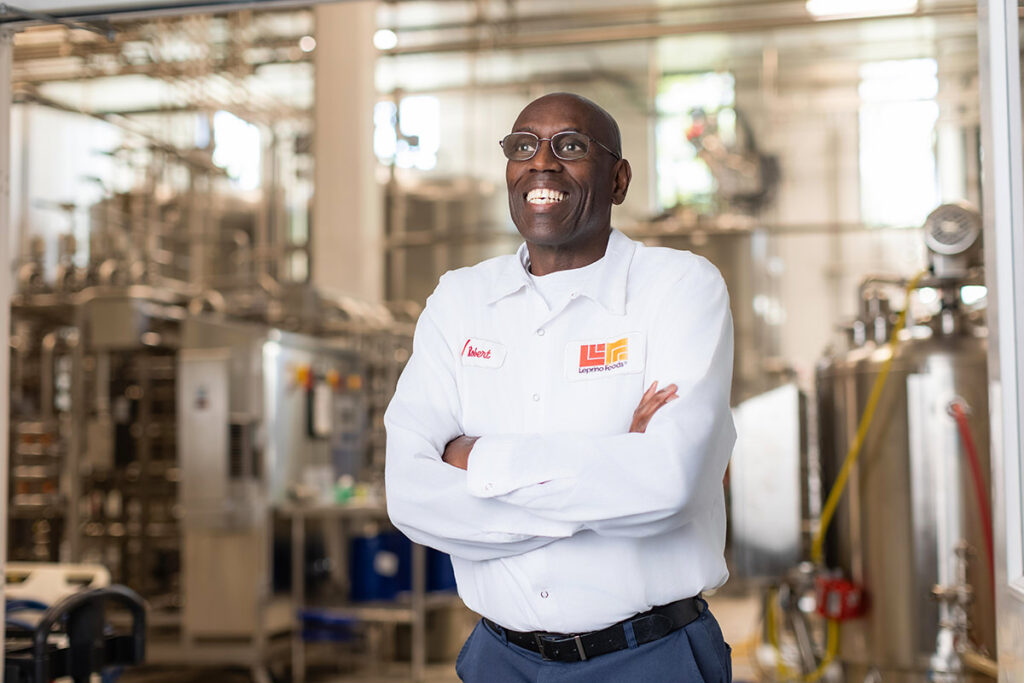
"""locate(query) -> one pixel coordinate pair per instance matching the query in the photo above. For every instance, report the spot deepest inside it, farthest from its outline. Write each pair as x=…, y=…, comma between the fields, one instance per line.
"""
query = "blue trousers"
x=696, y=653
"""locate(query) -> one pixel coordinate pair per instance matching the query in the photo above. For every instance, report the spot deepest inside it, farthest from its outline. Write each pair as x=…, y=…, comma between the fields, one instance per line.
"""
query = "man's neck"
x=545, y=260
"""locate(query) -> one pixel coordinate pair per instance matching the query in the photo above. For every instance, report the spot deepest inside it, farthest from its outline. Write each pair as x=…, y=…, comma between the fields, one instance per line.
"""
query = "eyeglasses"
x=569, y=145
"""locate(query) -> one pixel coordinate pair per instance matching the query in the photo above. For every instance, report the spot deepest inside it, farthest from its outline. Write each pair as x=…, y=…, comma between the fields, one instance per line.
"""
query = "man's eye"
x=524, y=147
x=572, y=146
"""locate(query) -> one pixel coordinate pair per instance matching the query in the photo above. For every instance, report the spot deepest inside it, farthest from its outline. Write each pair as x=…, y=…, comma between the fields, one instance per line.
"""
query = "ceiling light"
x=307, y=43
x=385, y=39
x=834, y=8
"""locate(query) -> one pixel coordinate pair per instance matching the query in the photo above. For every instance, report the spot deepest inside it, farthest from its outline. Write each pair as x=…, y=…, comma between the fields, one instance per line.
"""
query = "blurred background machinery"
x=157, y=422
x=914, y=529
x=190, y=394
x=899, y=579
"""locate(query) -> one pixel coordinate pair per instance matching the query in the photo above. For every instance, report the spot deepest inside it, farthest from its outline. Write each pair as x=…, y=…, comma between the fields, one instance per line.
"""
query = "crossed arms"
x=514, y=494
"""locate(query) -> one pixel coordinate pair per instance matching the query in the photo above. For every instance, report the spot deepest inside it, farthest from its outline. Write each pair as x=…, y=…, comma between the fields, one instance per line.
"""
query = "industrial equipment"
x=264, y=417
x=747, y=178
x=907, y=422
x=121, y=454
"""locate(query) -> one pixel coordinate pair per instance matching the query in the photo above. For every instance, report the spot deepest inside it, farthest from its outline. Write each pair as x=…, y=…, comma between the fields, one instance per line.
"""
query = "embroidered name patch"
x=482, y=353
x=618, y=355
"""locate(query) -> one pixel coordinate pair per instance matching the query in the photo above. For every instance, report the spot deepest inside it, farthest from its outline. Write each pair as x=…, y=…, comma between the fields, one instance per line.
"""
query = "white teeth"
x=545, y=196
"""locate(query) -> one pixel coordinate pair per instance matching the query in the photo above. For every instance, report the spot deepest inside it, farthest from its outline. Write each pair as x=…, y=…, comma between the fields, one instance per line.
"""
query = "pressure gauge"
x=952, y=229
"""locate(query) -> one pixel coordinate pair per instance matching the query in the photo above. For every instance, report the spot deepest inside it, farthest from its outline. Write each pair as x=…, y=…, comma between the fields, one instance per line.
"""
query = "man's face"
x=557, y=203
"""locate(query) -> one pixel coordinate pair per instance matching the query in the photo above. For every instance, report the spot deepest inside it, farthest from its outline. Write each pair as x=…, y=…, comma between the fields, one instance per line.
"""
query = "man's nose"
x=545, y=159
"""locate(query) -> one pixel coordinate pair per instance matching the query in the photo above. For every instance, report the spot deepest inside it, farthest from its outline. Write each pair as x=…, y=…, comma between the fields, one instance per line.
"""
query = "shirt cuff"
x=488, y=473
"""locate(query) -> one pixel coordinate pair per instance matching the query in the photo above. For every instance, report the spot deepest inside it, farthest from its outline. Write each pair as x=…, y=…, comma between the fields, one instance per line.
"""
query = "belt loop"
x=579, y=648
x=504, y=634
x=627, y=628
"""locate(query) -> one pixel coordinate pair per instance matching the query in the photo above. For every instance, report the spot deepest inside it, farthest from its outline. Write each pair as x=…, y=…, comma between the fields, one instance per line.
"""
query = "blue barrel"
x=381, y=567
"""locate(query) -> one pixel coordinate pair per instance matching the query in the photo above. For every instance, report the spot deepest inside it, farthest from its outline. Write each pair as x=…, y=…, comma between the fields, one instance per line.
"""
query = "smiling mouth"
x=542, y=196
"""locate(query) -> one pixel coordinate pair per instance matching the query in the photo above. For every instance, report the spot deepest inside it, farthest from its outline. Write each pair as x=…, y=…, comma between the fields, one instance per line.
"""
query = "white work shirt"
x=564, y=521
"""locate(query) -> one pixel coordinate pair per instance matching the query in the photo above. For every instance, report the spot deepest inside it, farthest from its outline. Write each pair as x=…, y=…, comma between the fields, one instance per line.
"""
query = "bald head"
x=562, y=203
x=590, y=117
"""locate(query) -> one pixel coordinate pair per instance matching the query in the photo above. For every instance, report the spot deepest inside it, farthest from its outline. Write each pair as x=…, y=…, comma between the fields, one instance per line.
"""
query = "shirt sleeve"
x=635, y=484
x=428, y=499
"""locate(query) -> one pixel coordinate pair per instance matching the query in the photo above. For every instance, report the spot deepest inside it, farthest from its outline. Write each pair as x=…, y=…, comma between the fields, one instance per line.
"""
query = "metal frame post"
x=6, y=56
x=1003, y=193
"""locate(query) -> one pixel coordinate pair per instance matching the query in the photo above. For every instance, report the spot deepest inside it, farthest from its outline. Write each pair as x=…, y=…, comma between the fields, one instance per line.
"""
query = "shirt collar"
x=607, y=287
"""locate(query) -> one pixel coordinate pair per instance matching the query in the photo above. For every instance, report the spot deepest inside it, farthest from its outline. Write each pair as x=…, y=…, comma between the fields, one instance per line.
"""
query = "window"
x=898, y=180
x=236, y=149
x=683, y=101
x=409, y=136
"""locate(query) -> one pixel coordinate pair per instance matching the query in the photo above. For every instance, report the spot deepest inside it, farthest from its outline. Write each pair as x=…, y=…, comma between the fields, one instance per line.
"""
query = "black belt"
x=576, y=647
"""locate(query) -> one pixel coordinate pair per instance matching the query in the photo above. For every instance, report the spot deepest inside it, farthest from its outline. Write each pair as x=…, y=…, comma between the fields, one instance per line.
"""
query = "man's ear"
x=620, y=181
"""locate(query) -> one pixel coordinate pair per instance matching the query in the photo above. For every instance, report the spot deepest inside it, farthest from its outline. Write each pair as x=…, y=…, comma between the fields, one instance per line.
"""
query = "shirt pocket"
x=603, y=378
x=603, y=405
x=491, y=399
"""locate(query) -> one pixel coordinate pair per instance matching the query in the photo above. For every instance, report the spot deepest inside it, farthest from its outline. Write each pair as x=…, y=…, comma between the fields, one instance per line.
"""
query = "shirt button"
x=540, y=332
x=488, y=486
x=543, y=594
x=573, y=295
x=536, y=397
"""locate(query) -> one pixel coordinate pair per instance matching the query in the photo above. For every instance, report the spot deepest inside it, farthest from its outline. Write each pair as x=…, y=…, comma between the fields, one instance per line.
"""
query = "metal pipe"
x=48, y=346
x=24, y=171
x=980, y=663
x=76, y=439
x=6, y=50
x=18, y=13
x=19, y=346
x=188, y=160
x=616, y=14
x=618, y=33
x=623, y=14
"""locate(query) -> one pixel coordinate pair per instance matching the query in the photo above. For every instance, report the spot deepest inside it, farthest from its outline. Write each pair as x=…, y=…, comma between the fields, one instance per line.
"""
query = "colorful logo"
x=602, y=355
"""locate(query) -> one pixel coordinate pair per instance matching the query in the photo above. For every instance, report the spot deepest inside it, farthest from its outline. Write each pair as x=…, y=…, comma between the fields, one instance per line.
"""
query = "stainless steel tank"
x=910, y=502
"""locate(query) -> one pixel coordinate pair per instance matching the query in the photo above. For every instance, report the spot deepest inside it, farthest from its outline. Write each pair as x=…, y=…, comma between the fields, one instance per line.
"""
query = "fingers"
x=650, y=391
x=670, y=390
x=650, y=403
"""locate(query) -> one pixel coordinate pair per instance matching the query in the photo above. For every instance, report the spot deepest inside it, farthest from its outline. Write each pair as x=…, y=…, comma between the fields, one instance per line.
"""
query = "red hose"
x=960, y=415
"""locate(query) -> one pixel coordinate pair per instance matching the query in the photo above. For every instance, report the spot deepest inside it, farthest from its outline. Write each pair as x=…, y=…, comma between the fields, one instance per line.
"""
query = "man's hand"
x=456, y=452
x=650, y=402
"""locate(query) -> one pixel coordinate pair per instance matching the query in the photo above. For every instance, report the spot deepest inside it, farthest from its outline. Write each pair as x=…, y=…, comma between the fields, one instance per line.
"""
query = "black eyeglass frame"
x=551, y=143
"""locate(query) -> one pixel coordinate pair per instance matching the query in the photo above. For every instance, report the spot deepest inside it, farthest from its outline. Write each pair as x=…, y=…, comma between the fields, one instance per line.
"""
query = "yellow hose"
x=783, y=672
x=832, y=502
x=827, y=512
x=831, y=650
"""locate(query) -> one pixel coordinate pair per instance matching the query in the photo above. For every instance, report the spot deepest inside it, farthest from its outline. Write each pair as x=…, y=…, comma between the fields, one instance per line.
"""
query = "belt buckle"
x=540, y=647
x=541, y=640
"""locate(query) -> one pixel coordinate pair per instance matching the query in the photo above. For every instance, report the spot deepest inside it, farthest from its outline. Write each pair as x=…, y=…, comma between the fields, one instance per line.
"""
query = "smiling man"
x=581, y=504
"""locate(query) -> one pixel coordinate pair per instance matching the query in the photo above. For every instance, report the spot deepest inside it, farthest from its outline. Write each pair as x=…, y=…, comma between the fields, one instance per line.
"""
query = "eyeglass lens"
x=567, y=145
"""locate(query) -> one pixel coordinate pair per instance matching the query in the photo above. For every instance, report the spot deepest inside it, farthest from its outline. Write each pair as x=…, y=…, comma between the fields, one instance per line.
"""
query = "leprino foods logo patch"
x=602, y=357
x=619, y=355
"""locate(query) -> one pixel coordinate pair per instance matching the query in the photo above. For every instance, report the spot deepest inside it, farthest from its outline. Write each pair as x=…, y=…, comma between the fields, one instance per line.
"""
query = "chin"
x=545, y=235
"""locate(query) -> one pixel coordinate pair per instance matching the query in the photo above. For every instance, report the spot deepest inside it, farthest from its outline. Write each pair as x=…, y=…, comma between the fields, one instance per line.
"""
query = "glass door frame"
x=1003, y=201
